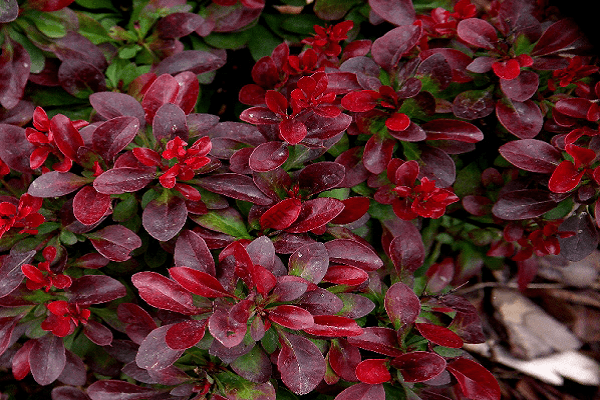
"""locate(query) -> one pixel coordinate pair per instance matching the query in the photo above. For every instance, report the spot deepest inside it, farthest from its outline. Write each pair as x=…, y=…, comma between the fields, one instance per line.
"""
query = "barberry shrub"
x=150, y=250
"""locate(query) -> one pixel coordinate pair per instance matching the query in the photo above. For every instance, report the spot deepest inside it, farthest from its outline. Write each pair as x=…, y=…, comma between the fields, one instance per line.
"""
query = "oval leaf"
x=163, y=293
x=163, y=220
x=114, y=135
x=475, y=381
x=300, y=363
x=115, y=242
x=532, y=155
x=56, y=184
x=419, y=366
x=402, y=305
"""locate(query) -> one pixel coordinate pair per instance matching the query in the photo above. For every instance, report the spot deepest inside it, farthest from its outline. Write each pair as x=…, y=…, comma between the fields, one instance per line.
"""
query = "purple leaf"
x=112, y=105
x=478, y=33
x=378, y=153
x=109, y=389
x=254, y=366
x=98, y=333
x=80, y=78
x=191, y=251
x=557, y=37
x=178, y=24
x=95, y=289
x=226, y=330
x=114, y=135
x=315, y=213
x=196, y=61
x=268, y=156
x=532, y=155
x=321, y=176
x=9, y=11
x=185, y=334
x=115, y=242
x=124, y=179
x=14, y=68
x=47, y=359
x=402, y=305
x=407, y=251
x=362, y=391
x=56, y=184
x=388, y=49
x=522, y=88
x=353, y=253
x=437, y=165
x=399, y=12
x=473, y=104
x=523, y=204
x=169, y=121
x=163, y=220
x=154, y=353
x=11, y=274
x=451, y=129
x=15, y=149
x=309, y=262
x=585, y=240
x=378, y=339
x=237, y=186
x=68, y=393
x=7, y=326
x=419, y=366
x=300, y=363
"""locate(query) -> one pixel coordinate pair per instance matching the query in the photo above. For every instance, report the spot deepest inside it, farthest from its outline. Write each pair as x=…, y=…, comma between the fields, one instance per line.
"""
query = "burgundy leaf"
x=320, y=301
x=473, y=104
x=419, y=366
x=185, y=334
x=124, y=179
x=451, y=129
x=109, y=389
x=16, y=149
x=343, y=359
x=354, y=208
x=522, y=119
x=68, y=393
x=364, y=100
x=320, y=176
x=198, y=282
x=7, y=326
x=289, y=287
x=345, y=275
x=9, y=11
x=378, y=339
x=163, y=293
x=532, y=155
x=585, y=240
x=439, y=335
x=14, y=66
x=315, y=213
x=162, y=91
x=268, y=156
x=300, y=363
x=47, y=359
x=113, y=104
x=292, y=317
x=237, y=186
x=521, y=88
x=557, y=37
x=89, y=206
x=95, y=289
x=139, y=322
x=309, y=262
x=195, y=61
x=11, y=274
x=523, y=204
x=98, y=333
x=114, y=135
x=353, y=253
x=373, y=371
x=80, y=78
x=56, y=184
x=154, y=353
x=282, y=214
x=178, y=24
x=226, y=330
x=191, y=251
x=478, y=33
x=255, y=366
x=437, y=165
x=396, y=12
x=115, y=242
x=334, y=326
x=402, y=305
x=574, y=107
x=378, y=153
x=163, y=220
x=169, y=122
x=475, y=381
x=388, y=49
x=407, y=251
x=362, y=391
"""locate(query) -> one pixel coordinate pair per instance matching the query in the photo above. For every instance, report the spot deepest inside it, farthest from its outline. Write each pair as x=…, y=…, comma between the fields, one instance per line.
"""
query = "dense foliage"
x=385, y=154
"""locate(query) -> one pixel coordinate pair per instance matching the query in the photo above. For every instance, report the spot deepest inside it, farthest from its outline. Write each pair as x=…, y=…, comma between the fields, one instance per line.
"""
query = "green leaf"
x=333, y=9
x=468, y=180
x=50, y=24
x=129, y=51
x=92, y=29
x=97, y=4
x=233, y=41
x=262, y=42
x=126, y=208
x=302, y=24
x=35, y=54
x=228, y=221
x=68, y=238
x=235, y=387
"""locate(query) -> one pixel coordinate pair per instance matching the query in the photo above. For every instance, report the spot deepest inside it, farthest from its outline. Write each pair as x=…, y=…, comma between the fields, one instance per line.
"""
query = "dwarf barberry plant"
x=152, y=251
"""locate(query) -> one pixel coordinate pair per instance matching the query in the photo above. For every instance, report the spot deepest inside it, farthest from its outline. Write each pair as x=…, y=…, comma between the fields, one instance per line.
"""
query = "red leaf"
x=268, y=156
x=388, y=49
x=506, y=69
x=164, y=220
x=163, y=293
x=14, y=67
x=320, y=176
x=362, y=101
x=282, y=214
x=300, y=363
x=378, y=153
x=292, y=131
x=185, y=334
x=111, y=389
x=124, y=179
x=228, y=331
x=343, y=358
x=163, y=90
x=89, y=206
x=56, y=184
x=557, y=37
x=334, y=326
x=419, y=366
x=114, y=135
x=192, y=251
x=478, y=33
x=523, y=204
x=402, y=305
x=11, y=274
x=115, y=242
x=189, y=90
x=309, y=262
x=407, y=251
x=354, y=208
x=315, y=213
x=439, y=335
x=345, y=275
x=475, y=381
x=521, y=88
x=575, y=107
x=292, y=317
x=522, y=119
x=66, y=137
x=353, y=253
x=7, y=326
x=198, y=282
x=362, y=391
x=532, y=155
x=373, y=371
